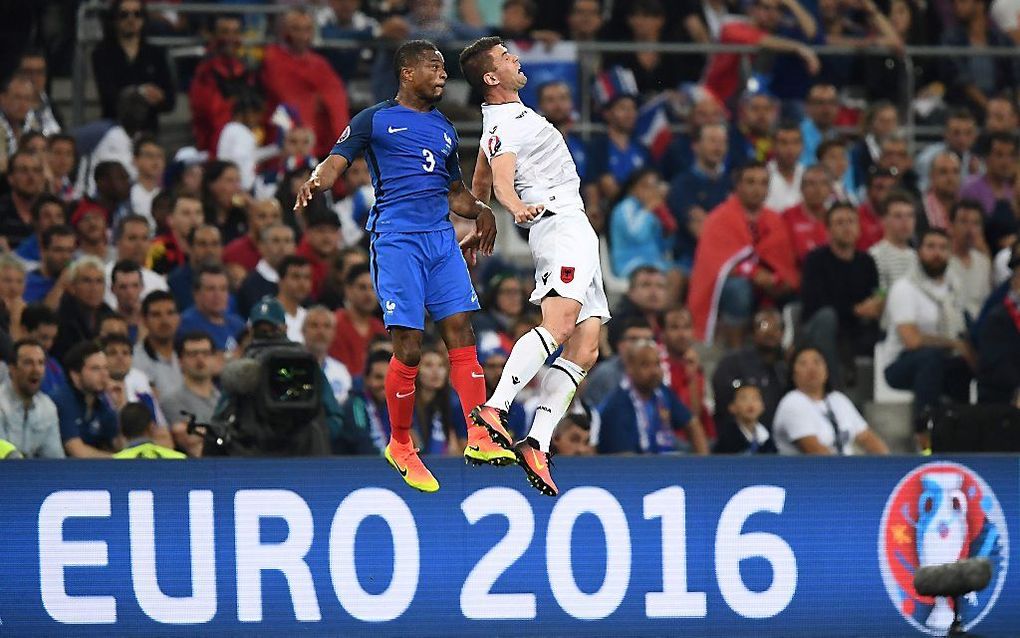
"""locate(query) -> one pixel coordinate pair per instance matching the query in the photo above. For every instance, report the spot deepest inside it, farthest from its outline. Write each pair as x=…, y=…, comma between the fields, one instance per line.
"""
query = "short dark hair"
x=542, y=88
x=62, y=137
x=619, y=328
x=376, y=356
x=1002, y=137
x=75, y=358
x=45, y=199
x=144, y=139
x=961, y=114
x=827, y=145
x=191, y=337
x=124, y=267
x=131, y=218
x=24, y=343
x=60, y=230
x=107, y=169
x=801, y=349
x=646, y=269
x=788, y=126
x=475, y=61
x=751, y=165
x=206, y=269
x=355, y=271
x=135, y=419
x=291, y=261
x=155, y=297
x=38, y=314
x=897, y=196
x=837, y=206
x=115, y=339
x=875, y=172
x=932, y=230
x=115, y=316
x=966, y=204
x=408, y=53
x=646, y=8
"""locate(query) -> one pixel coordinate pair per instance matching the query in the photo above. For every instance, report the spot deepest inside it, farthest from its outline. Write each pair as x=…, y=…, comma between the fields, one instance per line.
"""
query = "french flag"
x=653, y=126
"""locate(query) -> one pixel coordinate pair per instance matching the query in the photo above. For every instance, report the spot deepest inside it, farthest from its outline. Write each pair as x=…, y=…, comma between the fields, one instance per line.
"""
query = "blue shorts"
x=415, y=272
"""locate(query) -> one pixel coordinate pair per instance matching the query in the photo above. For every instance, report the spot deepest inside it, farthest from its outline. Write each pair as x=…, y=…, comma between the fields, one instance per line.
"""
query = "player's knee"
x=561, y=328
x=457, y=331
x=407, y=348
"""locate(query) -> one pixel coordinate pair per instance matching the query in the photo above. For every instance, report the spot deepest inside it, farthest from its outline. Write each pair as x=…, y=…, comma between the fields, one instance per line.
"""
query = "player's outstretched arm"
x=322, y=179
x=465, y=204
x=503, y=168
x=481, y=180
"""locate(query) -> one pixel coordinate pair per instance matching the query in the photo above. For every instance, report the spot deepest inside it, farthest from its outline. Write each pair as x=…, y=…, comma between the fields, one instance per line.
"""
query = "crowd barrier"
x=632, y=546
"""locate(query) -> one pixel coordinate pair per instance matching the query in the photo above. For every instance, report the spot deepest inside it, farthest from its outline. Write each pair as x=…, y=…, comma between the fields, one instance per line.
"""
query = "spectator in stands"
x=744, y=249
x=154, y=353
x=113, y=190
x=223, y=200
x=243, y=252
x=88, y=425
x=345, y=20
x=894, y=255
x=841, y=299
x=206, y=248
x=113, y=323
x=869, y=214
x=998, y=357
x=126, y=286
x=1001, y=115
x=218, y=80
x=557, y=105
x=642, y=415
x=357, y=322
x=785, y=169
x=332, y=293
x=972, y=79
x=170, y=250
x=81, y=306
x=572, y=437
x=196, y=393
x=294, y=286
x=15, y=107
x=705, y=111
x=48, y=283
x=969, y=264
x=61, y=158
x=742, y=431
x=210, y=313
x=806, y=220
x=502, y=305
x=896, y=158
x=131, y=241
x=27, y=180
x=150, y=163
x=834, y=156
x=958, y=138
x=47, y=211
x=276, y=241
x=584, y=20
x=140, y=433
x=761, y=364
x=607, y=375
x=925, y=335
x=750, y=137
x=815, y=419
x=641, y=227
x=91, y=226
x=618, y=153
x=654, y=72
x=685, y=375
x=39, y=323
x=943, y=191
x=136, y=387
x=294, y=75
x=438, y=417
x=819, y=123
x=42, y=115
x=366, y=410
x=12, y=292
x=317, y=333
x=698, y=189
x=1000, y=169
x=880, y=121
x=125, y=60
x=239, y=139
x=115, y=143
x=723, y=76
x=648, y=295
x=28, y=418
x=320, y=244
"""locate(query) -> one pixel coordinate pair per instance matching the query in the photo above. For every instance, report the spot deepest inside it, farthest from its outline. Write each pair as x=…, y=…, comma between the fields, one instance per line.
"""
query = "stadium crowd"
x=758, y=261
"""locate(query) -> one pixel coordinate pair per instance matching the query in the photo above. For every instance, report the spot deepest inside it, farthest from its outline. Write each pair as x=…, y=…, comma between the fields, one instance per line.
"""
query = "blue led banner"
x=632, y=546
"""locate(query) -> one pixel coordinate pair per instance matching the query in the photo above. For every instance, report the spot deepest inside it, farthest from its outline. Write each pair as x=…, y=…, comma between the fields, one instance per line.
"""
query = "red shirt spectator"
x=807, y=231
x=356, y=323
x=304, y=80
x=218, y=80
x=722, y=75
x=871, y=227
x=243, y=252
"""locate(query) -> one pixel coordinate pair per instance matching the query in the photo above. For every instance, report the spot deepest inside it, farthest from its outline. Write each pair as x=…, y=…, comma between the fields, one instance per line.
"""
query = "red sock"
x=400, y=399
x=467, y=379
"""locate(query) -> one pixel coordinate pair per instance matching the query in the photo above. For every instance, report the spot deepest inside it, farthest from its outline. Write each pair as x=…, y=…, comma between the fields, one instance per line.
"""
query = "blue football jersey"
x=412, y=157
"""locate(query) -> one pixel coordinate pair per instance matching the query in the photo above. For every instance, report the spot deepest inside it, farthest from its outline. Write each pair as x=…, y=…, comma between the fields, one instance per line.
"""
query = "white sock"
x=524, y=362
x=558, y=387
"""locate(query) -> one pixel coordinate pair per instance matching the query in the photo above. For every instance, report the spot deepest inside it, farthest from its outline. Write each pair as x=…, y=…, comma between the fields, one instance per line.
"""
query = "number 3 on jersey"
x=430, y=160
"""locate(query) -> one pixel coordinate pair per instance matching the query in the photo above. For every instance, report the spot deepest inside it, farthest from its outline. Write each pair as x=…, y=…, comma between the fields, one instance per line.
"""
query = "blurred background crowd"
x=808, y=214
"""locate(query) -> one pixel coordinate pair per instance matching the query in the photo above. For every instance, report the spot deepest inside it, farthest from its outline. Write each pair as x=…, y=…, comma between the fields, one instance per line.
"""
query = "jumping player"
x=524, y=160
x=416, y=262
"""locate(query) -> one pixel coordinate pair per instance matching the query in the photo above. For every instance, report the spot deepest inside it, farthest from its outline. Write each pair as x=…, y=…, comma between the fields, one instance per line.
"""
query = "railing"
x=185, y=46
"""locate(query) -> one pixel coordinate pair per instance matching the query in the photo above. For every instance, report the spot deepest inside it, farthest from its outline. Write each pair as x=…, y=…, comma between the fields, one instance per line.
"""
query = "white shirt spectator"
x=1000, y=266
x=294, y=323
x=34, y=432
x=138, y=388
x=799, y=416
x=339, y=378
x=150, y=282
x=237, y=144
x=907, y=304
x=141, y=202
x=892, y=262
x=783, y=194
x=975, y=280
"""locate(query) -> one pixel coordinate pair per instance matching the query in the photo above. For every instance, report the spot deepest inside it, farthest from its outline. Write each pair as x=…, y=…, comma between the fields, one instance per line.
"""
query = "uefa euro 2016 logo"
x=939, y=513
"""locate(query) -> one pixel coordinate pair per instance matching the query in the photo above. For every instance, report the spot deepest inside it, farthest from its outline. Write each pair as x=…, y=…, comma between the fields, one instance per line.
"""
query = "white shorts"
x=566, y=253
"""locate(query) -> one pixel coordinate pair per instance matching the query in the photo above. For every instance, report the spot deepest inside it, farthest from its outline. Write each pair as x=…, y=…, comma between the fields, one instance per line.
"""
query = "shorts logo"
x=493, y=144
x=390, y=307
x=545, y=278
x=939, y=513
x=567, y=274
x=344, y=135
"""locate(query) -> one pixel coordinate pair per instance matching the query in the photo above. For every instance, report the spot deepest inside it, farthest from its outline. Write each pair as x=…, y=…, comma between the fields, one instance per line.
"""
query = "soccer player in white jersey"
x=525, y=162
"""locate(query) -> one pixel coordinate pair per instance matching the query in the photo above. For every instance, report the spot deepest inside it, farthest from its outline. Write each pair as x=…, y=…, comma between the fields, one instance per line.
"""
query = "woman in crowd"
x=437, y=409
x=223, y=199
x=641, y=227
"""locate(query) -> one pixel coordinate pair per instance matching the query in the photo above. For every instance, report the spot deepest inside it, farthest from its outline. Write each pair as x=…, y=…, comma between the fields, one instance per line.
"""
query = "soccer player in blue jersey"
x=416, y=262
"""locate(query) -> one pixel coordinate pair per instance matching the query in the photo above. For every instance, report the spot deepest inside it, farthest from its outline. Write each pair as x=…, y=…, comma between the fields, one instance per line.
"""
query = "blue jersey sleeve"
x=355, y=137
x=453, y=161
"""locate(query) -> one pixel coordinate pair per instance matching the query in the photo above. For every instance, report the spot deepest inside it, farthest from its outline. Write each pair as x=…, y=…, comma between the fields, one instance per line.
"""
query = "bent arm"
x=481, y=180
x=871, y=442
x=464, y=203
x=503, y=169
x=76, y=448
x=811, y=445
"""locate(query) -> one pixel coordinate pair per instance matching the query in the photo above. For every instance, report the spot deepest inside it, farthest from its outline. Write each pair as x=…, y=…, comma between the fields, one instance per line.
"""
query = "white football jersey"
x=545, y=172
